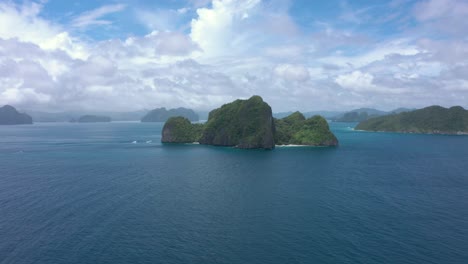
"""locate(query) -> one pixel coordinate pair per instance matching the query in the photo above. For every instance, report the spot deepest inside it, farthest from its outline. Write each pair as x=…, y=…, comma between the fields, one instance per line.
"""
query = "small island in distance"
x=93, y=119
x=362, y=114
x=429, y=120
x=10, y=116
x=249, y=124
x=162, y=114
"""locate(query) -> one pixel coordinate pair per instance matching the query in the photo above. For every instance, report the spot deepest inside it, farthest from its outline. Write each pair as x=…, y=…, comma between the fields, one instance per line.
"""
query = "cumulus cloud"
x=24, y=23
x=232, y=49
x=214, y=28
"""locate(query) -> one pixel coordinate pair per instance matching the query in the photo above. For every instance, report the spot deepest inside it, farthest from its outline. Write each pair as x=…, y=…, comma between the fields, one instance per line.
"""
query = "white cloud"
x=24, y=23
x=292, y=72
x=94, y=17
x=379, y=52
x=357, y=81
x=234, y=49
x=214, y=29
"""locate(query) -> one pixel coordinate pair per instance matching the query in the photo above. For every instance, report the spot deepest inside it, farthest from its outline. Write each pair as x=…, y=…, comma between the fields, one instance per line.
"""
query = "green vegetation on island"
x=249, y=124
x=295, y=129
x=432, y=119
x=10, y=116
x=242, y=123
x=362, y=114
x=162, y=114
x=93, y=119
x=180, y=130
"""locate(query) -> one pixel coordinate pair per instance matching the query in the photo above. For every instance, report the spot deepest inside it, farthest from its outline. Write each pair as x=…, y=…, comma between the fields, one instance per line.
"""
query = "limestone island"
x=162, y=114
x=429, y=120
x=295, y=129
x=249, y=124
x=10, y=116
x=93, y=119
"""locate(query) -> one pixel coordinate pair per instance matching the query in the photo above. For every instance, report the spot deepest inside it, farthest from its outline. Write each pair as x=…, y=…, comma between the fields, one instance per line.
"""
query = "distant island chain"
x=250, y=124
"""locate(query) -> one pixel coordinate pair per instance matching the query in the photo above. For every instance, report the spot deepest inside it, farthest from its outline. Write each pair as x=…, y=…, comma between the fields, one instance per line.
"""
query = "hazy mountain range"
x=355, y=115
x=339, y=116
x=67, y=116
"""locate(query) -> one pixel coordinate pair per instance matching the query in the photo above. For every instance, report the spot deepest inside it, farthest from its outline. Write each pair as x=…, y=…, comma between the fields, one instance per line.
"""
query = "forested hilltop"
x=432, y=119
x=295, y=129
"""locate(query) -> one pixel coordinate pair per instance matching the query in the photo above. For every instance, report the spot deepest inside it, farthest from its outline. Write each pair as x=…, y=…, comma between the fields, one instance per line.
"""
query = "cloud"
x=357, y=81
x=231, y=49
x=24, y=23
x=284, y=51
x=94, y=17
x=445, y=16
x=153, y=47
x=290, y=72
x=239, y=28
x=175, y=44
x=213, y=30
x=161, y=19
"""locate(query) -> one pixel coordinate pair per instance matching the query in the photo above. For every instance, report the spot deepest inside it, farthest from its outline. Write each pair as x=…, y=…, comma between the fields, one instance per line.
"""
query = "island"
x=10, y=116
x=429, y=120
x=362, y=114
x=162, y=114
x=93, y=119
x=295, y=129
x=242, y=124
x=249, y=124
x=180, y=130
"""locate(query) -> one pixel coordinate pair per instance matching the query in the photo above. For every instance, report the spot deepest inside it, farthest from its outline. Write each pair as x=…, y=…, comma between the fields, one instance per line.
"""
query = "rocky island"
x=295, y=129
x=10, y=116
x=249, y=124
x=242, y=123
x=180, y=130
x=429, y=120
x=162, y=114
x=93, y=119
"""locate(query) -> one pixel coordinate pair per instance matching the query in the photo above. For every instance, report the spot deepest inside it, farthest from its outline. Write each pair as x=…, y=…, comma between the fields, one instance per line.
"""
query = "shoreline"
x=459, y=133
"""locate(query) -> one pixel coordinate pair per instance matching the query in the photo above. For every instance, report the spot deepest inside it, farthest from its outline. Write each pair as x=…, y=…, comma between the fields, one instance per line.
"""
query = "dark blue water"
x=84, y=193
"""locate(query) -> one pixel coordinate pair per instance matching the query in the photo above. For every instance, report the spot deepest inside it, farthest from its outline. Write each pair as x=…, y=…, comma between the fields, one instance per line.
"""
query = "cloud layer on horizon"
x=207, y=53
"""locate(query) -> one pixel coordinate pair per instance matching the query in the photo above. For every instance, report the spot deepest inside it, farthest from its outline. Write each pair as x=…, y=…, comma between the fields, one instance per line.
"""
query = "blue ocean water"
x=111, y=193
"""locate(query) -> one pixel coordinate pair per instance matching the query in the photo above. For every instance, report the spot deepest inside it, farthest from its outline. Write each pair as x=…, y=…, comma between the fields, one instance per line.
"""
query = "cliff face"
x=162, y=115
x=180, y=130
x=9, y=116
x=243, y=123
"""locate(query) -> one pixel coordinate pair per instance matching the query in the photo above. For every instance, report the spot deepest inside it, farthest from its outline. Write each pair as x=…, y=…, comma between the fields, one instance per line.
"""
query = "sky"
x=125, y=55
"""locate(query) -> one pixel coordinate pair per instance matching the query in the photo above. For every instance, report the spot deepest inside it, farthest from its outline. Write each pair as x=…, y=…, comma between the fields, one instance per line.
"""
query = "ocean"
x=111, y=193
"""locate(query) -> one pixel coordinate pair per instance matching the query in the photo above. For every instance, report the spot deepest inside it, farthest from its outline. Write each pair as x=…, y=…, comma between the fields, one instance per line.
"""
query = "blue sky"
x=299, y=55
x=308, y=15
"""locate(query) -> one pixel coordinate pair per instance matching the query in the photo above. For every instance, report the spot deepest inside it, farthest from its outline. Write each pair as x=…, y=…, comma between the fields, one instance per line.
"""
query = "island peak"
x=10, y=116
x=430, y=120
